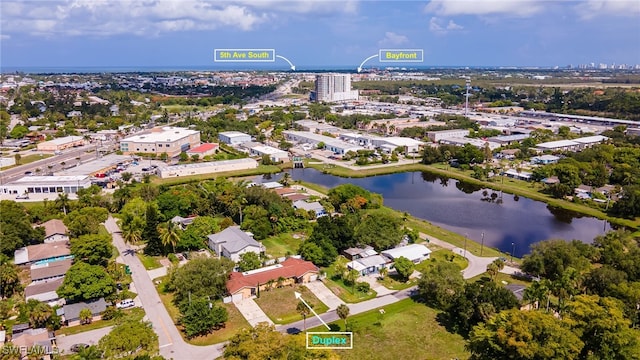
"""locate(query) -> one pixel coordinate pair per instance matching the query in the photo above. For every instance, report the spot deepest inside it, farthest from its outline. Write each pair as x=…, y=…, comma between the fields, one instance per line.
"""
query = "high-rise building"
x=334, y=87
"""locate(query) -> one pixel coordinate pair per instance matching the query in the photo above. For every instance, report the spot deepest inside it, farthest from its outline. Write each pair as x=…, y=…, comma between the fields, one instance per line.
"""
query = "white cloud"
x=4, y=37
x=453, y=26
x=520, y=8
x=393, y=39
x=592, y=8
x=153, y=17
x=437, y=25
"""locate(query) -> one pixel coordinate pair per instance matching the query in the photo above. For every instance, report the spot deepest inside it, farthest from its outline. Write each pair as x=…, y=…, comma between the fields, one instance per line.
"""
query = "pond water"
x=507, y=222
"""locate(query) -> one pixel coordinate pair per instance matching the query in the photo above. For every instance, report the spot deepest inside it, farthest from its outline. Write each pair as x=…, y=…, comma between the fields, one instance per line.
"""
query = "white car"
x=126, y=303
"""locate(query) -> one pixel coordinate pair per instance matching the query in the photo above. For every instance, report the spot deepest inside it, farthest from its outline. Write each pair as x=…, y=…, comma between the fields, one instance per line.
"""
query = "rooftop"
x=203, y=148
x=289, y=268
x=233, y=134
x=42, y=287
x=54, y=227
x=267, y=150
x=33, y=253
x=206, y=164
x=63, y=140
x=411, y=252
x=233, y=239
x=168, y=134
x=50, y=269
x=72, y=311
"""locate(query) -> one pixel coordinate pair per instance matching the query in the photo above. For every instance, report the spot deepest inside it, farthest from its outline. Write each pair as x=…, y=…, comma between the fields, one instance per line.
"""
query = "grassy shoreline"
x=510, y=186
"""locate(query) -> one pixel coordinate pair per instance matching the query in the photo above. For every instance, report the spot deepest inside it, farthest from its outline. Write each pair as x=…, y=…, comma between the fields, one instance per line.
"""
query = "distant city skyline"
x=317, y=34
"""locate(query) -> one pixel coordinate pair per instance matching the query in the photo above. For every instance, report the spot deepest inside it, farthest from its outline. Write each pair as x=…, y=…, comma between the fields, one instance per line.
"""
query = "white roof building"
x=211, y=167
x=414, y=252
x=169, y=140
x=275, y=155
x=46, y=184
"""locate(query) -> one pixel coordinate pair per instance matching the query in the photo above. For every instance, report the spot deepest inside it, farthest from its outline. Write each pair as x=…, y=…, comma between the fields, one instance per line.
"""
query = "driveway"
x=375, y=285
x=90, y=337
x=252, y=312
x=171, y=343
x=477, y=264
x=322, y=292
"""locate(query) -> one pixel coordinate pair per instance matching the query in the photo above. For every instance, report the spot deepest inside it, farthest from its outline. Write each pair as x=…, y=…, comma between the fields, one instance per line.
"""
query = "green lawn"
x=280, y=304
x=344, y=292
x=406, y=330
x=29, y=159
x=440, y=256
x=504, y=279
x=134, y=313
x=149, y=262
x=235, y=323
x=282, y=244
x=393, y=282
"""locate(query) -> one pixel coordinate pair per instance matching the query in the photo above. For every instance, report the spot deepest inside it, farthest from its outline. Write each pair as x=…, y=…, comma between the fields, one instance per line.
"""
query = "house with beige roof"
x=55, y=230
x=42, y=253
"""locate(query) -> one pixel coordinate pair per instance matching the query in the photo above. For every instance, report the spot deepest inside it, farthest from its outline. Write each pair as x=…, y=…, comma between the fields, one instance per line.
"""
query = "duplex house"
x=233, y=242
x=42, y=253
x=242, y=285
x=414, y=252
x=44, y=291
x=50, y=270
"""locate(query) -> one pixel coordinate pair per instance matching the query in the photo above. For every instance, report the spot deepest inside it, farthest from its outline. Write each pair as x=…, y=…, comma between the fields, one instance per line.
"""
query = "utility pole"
x=482, y=244
x=465, y=245
x=513, y=249
x=466, y=95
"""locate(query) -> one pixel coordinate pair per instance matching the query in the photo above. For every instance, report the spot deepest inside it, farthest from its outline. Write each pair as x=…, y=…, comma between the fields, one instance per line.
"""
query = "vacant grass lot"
x=235, y=323
x=442, y=255
x=281, y=245
x=406, y=330
x=133, y=313
x=344, y=292
x=149, y=262
x=280, y=304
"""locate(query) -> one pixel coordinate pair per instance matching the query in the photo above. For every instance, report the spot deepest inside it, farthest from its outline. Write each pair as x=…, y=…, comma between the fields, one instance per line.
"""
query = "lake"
x=467, y=209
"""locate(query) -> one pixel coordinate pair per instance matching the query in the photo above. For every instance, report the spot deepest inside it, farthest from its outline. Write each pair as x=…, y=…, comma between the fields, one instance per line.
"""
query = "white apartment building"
x=170, y=140
x=334, y=87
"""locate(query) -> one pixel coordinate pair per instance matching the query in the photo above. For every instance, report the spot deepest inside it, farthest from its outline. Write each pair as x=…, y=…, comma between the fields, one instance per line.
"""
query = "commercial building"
x=571, y=145
x=211, y=167
x=62, y=143
x=46, y=184
x=275, y=155
x=169, y=140
x=233, y=137
x=334, y=87
x=436, y=136
x=203, y=150
x=335, y=145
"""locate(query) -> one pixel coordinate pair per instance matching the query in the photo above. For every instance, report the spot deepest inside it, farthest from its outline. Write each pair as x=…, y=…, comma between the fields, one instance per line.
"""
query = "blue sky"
x=174, y=33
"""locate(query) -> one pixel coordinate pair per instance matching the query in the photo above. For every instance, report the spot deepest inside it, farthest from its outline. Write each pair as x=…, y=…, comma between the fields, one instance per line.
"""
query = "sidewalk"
x=375, y=285
x=322, y=292
x=252, y=312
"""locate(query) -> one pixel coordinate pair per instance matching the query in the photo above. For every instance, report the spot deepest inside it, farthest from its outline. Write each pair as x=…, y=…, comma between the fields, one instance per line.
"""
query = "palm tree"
x=343, y=312
x=131, y=234
x=304, y=311
x=40, y=314
x=169, y=234
x=383, y=272
x=63, y=202
x=535, y=294
x=286, y=179
x=85, y=316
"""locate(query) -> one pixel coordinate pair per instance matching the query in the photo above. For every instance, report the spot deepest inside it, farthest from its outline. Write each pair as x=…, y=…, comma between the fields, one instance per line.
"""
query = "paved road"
x=477, y=265
x=172, y=346
x=90, y=337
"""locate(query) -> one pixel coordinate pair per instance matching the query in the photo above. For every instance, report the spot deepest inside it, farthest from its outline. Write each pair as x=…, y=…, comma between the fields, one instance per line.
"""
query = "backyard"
x=280, y=303
x=346, y=293
x=406, y=330
x=282, y=244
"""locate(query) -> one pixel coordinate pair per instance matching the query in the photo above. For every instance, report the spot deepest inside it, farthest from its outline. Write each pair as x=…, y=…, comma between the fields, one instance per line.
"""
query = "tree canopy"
x=85, y=282
x=201, y=277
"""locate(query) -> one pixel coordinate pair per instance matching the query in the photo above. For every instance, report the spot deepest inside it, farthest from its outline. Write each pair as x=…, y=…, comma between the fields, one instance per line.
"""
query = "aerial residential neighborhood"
x=438, y=180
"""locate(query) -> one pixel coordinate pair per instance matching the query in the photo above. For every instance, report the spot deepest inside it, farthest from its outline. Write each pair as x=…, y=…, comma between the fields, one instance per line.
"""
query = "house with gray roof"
x=233, y=242
x=72, y=311
x=315, y=206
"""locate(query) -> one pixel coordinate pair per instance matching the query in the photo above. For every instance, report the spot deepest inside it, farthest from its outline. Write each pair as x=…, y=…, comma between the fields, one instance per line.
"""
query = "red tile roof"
x=284, y=191
x=203, y=148
x=296, y=197
x=289, y=268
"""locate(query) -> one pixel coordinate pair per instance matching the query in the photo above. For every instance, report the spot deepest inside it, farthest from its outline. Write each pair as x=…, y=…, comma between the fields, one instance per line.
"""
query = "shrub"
x=363, y=287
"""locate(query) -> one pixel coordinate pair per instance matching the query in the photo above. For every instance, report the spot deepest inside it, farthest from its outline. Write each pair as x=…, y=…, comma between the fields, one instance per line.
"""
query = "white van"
x=126, y=303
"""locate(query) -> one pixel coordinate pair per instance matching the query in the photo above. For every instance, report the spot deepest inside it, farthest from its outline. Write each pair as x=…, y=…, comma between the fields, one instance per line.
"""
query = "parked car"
x=78, y=347
x=23, y=196
x=126, y=303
